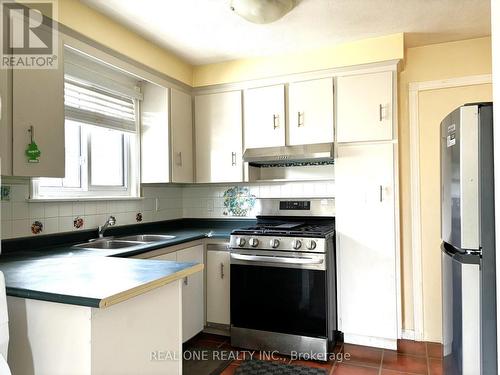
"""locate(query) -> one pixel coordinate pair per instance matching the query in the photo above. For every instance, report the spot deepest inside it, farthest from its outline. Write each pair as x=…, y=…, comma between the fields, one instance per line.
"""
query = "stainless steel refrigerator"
x=468, y=247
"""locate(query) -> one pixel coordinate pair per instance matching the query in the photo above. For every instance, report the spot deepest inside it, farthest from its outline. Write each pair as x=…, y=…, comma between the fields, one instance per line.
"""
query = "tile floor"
x=417, y=358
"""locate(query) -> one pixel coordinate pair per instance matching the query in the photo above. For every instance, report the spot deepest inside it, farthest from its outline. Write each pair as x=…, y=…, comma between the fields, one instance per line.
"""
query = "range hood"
x=313, y=153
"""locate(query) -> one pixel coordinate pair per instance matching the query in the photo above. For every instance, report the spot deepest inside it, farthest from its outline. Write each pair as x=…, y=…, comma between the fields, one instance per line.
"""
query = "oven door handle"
x=278, y=259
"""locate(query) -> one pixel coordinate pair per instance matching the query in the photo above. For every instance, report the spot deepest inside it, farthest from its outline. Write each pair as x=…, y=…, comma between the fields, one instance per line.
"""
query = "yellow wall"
x=111, y=34
x=354, y=53
x=426, y=63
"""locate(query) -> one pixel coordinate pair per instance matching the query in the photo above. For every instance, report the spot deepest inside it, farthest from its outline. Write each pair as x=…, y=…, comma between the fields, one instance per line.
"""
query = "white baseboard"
x=377, y=342
x=408, y=334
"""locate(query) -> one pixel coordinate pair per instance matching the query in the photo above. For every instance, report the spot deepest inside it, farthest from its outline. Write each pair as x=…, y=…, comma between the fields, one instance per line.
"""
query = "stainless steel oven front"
x=283, y=301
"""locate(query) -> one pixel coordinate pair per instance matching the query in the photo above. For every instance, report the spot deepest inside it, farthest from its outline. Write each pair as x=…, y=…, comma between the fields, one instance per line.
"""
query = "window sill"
x=83, y=199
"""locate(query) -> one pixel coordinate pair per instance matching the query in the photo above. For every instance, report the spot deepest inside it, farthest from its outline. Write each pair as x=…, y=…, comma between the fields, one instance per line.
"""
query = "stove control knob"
x=240, y=241
x=296, y=244
x=253, y=242
x=311, y=245
x=274, y=243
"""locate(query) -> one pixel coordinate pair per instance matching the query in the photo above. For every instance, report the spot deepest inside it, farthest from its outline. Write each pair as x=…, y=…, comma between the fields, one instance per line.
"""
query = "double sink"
x=109, y=243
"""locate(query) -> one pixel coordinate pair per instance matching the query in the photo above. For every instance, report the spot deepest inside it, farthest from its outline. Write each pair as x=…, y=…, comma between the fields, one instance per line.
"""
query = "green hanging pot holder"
x=32, y=152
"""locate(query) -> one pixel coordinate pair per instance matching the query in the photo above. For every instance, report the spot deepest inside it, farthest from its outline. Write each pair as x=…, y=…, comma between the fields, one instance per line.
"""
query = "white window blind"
x=97, y=106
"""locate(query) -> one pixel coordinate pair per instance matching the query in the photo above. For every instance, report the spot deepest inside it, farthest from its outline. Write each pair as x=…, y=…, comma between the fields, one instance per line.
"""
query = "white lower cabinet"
x=218, y=287
x=170, y=256
x=365, y=223
x=193, y=307
x=192, y=294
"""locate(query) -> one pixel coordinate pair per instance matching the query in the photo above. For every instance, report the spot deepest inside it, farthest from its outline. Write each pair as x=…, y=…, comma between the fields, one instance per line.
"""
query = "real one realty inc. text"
x=231, y=355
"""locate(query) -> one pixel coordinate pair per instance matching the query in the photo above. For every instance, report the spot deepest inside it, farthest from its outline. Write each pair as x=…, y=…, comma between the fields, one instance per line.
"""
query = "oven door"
x=279, y=292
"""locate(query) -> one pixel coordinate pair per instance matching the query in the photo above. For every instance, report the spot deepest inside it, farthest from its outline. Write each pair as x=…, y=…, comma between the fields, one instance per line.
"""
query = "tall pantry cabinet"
x=366, y=208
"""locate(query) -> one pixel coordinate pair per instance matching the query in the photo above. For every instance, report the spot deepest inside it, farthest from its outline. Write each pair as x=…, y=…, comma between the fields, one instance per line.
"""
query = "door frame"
x=414, y=89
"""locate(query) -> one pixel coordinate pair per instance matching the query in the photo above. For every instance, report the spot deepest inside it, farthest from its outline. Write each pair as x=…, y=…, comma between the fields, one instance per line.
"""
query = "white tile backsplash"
x=20, y=210
x=18, y=213
x=159, y=203
x=65, y=209
x=51, y=210
x=207, y=201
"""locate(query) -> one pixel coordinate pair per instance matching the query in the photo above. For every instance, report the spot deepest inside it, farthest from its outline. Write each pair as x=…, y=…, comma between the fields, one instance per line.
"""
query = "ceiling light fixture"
x=262, y=11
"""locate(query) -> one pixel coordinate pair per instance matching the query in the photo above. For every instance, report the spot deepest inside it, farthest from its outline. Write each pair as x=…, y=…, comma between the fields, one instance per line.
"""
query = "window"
x=101, y=139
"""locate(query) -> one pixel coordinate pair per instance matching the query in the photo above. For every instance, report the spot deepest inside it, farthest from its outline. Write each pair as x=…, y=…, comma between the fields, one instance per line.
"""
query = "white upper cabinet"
x=38, y=102
x=364, y=107
x=154, y=135
x=6, y=121
x=310, y=111
x=181, y=116
x=218, y=129
x=264, y=116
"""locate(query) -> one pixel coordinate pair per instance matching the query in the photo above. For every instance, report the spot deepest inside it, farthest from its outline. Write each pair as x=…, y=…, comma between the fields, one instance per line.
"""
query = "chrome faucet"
x=110, y=222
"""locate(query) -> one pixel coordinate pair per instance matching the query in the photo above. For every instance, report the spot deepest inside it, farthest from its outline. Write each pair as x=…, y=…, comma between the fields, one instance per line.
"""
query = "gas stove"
x=284, y=266
x=280, y=228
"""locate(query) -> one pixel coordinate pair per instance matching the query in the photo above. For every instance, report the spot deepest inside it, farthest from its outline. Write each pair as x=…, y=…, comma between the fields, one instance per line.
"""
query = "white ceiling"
x=207, y=31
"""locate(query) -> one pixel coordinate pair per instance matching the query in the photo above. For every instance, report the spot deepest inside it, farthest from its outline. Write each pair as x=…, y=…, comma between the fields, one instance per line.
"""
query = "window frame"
x=126, y=157
x=86, y=189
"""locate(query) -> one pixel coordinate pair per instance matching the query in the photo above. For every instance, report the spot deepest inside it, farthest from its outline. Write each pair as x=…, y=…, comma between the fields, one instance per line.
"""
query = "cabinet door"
x=364, y=107
x=218, y=287
x=365, y=223
x=6, y=121
x=218, y=123
x=170, y=256
x=192, y=294
x=264, y=109
x=182, y=136
x=155, y=162
x=38, y=101
x=310, y=112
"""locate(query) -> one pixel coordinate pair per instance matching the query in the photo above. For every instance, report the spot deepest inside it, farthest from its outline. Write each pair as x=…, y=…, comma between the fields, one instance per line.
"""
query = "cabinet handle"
x=380, y=107
x=179, y=159
x=276, y=121
x=186, y=281
x=381, y=193
x=222, y=270
x=300, y=119
x=233, y=159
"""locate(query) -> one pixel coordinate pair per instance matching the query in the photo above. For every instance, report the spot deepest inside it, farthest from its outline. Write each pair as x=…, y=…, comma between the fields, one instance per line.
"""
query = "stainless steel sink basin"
x=147, y=237
x=109, y=244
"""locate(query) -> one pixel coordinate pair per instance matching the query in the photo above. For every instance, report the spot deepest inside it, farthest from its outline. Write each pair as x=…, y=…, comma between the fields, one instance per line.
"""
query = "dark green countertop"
x=63, y=273
x=90, y=281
